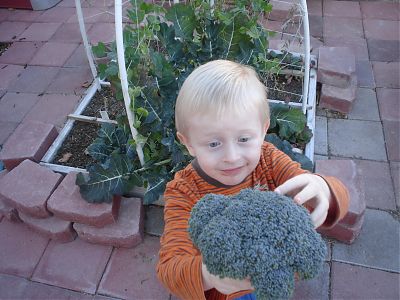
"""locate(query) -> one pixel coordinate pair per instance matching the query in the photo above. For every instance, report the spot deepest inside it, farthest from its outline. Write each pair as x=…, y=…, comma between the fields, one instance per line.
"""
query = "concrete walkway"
x=43, y=76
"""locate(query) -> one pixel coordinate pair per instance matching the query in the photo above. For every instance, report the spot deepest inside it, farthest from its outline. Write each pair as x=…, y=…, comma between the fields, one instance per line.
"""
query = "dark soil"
x=4, y=47
x=104, y=100
x=73, y=150
x=282, y=87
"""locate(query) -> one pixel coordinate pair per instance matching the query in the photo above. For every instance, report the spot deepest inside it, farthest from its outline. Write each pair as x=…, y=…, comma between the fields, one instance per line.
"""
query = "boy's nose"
x=231, y=154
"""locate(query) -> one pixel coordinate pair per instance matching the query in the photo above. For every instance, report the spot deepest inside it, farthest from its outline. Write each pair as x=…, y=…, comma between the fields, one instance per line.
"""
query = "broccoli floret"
x=257, y=234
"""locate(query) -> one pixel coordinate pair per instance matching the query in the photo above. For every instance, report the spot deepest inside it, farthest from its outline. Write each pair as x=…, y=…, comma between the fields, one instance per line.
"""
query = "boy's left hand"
x=312, y=190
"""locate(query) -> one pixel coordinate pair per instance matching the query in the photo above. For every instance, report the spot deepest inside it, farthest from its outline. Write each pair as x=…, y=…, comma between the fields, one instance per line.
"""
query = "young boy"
x=222, y=116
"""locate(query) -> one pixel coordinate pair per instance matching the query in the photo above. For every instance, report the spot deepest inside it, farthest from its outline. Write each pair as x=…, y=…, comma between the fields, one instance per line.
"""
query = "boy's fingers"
x=319, y=214
x=304, y=195
x=291, y=185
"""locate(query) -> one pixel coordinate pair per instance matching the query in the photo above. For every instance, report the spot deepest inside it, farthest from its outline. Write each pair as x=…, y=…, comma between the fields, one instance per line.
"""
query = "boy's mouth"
x=232, y=172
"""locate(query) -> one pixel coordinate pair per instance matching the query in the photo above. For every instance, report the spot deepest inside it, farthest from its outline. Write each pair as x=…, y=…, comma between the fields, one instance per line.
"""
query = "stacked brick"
x=336, y=72
x=350, y=226
x=52, y=205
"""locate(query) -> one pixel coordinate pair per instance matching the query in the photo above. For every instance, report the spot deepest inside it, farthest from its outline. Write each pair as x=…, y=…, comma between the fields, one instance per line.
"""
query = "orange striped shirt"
x=179, y=266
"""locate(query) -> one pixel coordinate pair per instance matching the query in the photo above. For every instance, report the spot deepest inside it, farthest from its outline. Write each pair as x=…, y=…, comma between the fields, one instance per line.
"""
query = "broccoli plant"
x=257, y=234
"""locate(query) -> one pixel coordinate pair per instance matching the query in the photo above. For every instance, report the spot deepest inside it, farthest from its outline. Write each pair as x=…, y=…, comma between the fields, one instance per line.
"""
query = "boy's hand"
x=312, y=190
x=224, y=285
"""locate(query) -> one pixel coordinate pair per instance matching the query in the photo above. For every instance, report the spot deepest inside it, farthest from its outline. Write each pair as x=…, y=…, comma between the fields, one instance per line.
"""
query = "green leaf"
x=99, y=50
x=290, y=120
x=183, y=18
x=100, y=151
x=112, y=70
x=142, y=112
x=287, y=148
x=106, y=133
x=154, y=190
x=103, y=184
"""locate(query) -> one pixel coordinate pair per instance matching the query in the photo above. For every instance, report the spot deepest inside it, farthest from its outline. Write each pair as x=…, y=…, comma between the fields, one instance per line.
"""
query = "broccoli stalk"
x=257, y=234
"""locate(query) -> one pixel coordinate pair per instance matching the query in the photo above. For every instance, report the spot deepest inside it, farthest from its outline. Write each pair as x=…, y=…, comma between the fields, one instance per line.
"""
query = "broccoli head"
x=257, y=234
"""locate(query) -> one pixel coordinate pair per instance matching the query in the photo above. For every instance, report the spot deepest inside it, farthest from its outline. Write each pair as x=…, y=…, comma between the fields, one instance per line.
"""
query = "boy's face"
x=226, y=149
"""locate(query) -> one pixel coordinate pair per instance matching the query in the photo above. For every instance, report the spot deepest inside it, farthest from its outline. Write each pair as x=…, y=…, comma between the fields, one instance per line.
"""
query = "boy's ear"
x=185, y=141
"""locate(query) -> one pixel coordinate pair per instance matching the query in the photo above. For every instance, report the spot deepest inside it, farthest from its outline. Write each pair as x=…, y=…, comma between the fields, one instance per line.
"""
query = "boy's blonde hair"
x=220, y=87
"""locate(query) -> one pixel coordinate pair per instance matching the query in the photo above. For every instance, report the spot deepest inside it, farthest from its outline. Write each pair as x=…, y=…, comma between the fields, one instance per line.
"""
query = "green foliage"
x=289, y=123
x=261, y=235
x=162, y=47
x=287, y=148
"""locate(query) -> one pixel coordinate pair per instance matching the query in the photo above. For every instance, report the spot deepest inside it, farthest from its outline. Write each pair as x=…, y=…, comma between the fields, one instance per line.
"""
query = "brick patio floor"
x=45, y=69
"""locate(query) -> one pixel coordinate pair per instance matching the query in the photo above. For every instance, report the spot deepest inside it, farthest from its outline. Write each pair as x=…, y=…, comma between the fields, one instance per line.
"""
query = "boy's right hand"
x=224, y=285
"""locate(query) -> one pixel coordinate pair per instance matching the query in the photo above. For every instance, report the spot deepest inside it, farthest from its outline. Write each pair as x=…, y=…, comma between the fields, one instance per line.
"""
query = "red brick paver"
x=383, y=50
x=343, y=27
x=342, y=9
x=53, y=54
x=34, y=79
x=392, y=139
x=347, y=172
x=395, y=171
x=381, y=285
x=381, y=29
x=76, y=265
x=67, y=203
x=12, y=287
x=57, y=15
x=39, y=31
x=6, y=129
x=14, y=106
x=126, y=232
x=20, y=249
x=130, y=273
x=8, y=73
x=336, y=65
x=389, y=104
x=317, y=288
x=357, y=45
x=95, y=15
x=78, y=58
x=69, y=33
x=364, y=73
x=382, y=198
x=10, y=31
x=386, y=74
x=28, y=186
x=380, y=10
x=53, y=109
x=24, y=15
x=52, y=227
x=20, y=53
x=71, y=81
x=29, y=140
x=102, y=32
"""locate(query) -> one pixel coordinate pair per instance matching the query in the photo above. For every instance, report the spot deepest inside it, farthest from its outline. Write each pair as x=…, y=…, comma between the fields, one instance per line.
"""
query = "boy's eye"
x=243, y=139
x=214, y=144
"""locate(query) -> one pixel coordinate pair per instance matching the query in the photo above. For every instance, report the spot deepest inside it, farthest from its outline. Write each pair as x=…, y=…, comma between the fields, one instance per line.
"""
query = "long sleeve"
x=339, y=203
x=281, y=168
x=179, y=266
